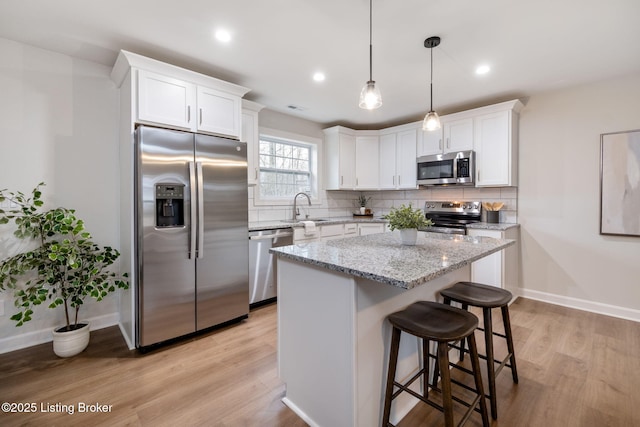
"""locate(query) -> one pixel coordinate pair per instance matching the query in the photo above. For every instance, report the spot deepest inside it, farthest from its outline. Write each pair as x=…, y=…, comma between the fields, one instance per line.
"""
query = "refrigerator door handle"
x=194, y=217
x=200, y=250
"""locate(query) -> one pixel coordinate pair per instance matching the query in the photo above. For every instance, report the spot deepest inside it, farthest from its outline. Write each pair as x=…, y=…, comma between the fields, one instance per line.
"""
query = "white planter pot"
x=67, y=344
x=409, y=236
x=363, y=210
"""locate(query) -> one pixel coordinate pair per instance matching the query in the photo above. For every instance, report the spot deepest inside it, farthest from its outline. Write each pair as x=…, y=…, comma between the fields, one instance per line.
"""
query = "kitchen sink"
x=295, y=221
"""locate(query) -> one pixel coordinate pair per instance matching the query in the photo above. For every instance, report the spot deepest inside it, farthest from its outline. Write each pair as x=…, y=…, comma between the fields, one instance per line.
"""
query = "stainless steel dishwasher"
x=262, y=266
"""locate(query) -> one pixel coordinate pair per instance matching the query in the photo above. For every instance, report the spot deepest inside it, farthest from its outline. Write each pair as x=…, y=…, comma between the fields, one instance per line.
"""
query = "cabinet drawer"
x=299, y=234
x=331, y=230
x=351, y=229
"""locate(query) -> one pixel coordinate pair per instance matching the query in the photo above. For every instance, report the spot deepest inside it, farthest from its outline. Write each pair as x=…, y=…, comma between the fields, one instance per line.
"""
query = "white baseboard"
x=131, y=345
x=44, y=335
x=299, y=412
x=581, y=304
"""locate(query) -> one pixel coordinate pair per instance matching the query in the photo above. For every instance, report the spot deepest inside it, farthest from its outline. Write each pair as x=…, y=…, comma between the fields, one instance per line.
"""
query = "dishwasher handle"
x=271, y=236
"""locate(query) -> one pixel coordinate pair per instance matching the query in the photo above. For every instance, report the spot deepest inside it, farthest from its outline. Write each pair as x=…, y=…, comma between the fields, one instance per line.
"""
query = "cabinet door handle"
x=341, y=179
x=188, y=113
x=448, y=142
x=201, y=116
x=394, y=180
x=478, y=175
x=256, y=169
x=440, y=143
x=356, y=182
x=398, y=180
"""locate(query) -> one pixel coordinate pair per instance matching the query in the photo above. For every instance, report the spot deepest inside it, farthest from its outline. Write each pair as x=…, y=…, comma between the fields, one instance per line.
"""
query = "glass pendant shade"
x=370, y=97
x=431, y=121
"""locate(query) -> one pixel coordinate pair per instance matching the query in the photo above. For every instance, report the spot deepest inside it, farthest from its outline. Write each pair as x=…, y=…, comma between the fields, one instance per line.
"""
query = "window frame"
x=315, y=146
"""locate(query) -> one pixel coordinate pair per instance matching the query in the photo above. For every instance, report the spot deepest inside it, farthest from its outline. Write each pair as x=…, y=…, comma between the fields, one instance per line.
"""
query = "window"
x=287, y=167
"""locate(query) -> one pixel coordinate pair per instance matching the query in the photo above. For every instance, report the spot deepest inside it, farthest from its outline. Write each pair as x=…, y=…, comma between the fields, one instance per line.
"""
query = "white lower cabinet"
x=331, y=232
x=350, y=229
x=500, y=269
x=336, y=231
x=300, y=235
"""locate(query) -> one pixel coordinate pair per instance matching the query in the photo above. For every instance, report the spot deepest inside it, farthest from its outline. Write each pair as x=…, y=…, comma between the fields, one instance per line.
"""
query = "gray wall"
x=565, y=259
x=58, y=124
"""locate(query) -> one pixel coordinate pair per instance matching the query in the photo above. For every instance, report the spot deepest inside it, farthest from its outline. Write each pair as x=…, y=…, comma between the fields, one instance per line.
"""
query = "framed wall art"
x=620, y=183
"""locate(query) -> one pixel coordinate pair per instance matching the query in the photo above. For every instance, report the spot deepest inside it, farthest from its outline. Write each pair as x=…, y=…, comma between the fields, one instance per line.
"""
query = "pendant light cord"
x=370, y=40
x=431, y=81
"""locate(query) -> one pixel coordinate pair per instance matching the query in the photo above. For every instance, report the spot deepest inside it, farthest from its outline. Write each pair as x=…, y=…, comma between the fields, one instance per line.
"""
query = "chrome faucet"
x=296, y=211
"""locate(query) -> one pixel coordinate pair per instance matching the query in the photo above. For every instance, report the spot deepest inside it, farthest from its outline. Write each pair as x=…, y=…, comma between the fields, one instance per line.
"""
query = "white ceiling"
x=532, y=46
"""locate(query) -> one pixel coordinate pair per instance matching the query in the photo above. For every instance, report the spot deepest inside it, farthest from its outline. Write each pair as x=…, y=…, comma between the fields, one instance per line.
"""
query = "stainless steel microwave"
x=456, y=168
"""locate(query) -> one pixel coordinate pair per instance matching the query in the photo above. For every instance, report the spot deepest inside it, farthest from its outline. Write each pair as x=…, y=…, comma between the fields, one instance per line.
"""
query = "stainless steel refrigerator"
x=191, y=223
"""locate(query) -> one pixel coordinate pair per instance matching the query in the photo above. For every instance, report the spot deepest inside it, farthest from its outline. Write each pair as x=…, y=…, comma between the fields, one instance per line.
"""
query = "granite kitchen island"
x=333, y=298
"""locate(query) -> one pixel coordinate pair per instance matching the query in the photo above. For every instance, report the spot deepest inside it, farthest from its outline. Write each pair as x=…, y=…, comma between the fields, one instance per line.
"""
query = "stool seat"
x=434, y=321
x=477, y=294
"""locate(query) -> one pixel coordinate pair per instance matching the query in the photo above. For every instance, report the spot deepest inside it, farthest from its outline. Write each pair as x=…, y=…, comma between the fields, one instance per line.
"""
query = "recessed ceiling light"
x=319, y=77
x=483, y=69
x=223, y=36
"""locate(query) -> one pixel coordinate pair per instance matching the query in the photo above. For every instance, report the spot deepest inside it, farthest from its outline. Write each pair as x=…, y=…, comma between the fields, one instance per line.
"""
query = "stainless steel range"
x=452, y=217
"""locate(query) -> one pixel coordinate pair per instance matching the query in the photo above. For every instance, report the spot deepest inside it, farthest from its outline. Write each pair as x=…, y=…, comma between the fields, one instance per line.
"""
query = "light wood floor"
x=575, y=369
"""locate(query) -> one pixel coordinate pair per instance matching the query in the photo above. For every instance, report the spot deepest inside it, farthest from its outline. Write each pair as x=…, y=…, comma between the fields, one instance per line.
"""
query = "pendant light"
x=370, y=97
x=431, y=120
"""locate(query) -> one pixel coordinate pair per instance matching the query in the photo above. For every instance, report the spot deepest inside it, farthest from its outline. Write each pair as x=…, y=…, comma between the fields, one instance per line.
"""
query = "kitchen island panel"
x=334, y=343
x=316, y=341
x=373, y=334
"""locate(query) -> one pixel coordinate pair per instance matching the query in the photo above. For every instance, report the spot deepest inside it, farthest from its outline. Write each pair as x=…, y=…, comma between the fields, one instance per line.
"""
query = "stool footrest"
x=493, y=332
x=502, y=363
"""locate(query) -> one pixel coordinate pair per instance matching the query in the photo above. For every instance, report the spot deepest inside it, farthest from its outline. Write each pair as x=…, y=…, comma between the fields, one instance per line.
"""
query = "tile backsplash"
x=343, y=203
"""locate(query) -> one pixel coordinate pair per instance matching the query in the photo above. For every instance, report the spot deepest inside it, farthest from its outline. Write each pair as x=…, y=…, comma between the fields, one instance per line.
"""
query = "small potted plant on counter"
x=362, y=203
x=408, y=221
x=62, y=268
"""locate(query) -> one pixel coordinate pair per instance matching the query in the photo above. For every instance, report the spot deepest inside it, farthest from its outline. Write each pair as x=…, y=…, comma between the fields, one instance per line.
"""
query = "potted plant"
x=407, y=220
x=362, y=203
x=62, y=268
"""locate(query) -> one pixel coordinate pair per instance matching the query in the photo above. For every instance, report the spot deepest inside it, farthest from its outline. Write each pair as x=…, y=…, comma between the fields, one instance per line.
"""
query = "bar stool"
x=487, y=298
x=443, y=324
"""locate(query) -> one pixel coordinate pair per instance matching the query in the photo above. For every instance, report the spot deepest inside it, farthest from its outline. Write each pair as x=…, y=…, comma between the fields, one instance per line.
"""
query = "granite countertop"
x=492, y=226
x=279, y=224
x=383, y=258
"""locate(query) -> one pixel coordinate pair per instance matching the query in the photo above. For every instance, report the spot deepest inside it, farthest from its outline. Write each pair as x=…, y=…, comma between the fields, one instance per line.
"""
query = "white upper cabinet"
x=387, y=170
x=455, y=135
x=398, y=158
x=491, y=131
x=173, y=97
x=251, y=135
x=496, y=146
x=340, y=158
x=458, y=135
x=367, y=159
x=218, y=112
x=429, y=142
x=406, y=167
x=165, y=100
